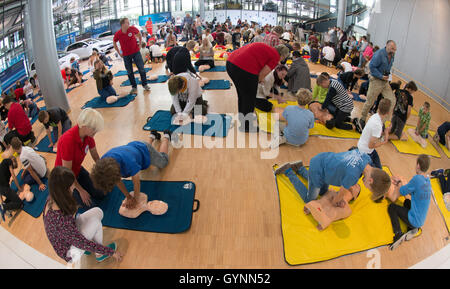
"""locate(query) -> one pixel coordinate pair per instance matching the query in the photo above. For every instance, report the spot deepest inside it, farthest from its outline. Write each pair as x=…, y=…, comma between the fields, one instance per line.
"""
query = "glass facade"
x=74, y=17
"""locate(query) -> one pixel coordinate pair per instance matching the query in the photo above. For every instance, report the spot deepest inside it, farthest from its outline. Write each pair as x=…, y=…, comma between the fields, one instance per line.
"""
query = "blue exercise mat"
x=161, y=79
x=217, y=124
x=357, y=98
x=178, y=195
x=36, y=206
x=42, y=146
x=99, y=103
x=217, y=84
x=86, y=72
x=124, y=72
x=214, y=69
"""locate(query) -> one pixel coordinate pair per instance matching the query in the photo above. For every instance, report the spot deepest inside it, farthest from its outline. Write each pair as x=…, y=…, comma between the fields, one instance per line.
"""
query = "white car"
x=85, y=47
x=106, y=36
x=63, y=59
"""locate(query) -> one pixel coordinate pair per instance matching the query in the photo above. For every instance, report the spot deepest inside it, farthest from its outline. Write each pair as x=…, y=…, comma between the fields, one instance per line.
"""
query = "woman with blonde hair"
x=206, y=54
x=73, y=148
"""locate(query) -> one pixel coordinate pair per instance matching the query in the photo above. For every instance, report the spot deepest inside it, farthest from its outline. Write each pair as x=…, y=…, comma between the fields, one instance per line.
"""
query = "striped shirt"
x=272, y=39
x=339, y=97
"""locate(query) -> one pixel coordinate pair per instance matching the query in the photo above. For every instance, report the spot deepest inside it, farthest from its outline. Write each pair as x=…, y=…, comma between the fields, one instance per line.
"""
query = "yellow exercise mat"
x=369, y=226
x=266, y=124
x=265, y=121
x=411, y=147
x=414, y=112
x=443, y=148
x=320, y=129
x=439, y=199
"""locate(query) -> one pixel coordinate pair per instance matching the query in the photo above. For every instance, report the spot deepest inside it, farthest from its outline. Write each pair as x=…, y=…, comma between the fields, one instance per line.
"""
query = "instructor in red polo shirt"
x=248, y=66
x=18, y=122
x=73, y=148
x=130, y=40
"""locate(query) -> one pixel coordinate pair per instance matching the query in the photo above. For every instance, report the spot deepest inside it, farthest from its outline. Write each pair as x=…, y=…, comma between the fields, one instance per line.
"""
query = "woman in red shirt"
x=247, y=67
x=73, y=148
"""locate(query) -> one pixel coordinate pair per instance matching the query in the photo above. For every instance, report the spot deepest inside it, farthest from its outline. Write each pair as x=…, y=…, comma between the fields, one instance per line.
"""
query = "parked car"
x=106, y=36
x=63, y=59
x=85, y=47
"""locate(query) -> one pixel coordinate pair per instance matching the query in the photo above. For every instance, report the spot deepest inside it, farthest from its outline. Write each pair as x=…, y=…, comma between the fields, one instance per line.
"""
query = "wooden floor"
x=238, y=224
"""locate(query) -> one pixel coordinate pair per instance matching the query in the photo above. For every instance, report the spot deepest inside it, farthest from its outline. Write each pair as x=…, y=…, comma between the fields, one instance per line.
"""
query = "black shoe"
x=156, y=134
x=362, y=124
x=436, y=173
x=356, y=124
x=168, y=133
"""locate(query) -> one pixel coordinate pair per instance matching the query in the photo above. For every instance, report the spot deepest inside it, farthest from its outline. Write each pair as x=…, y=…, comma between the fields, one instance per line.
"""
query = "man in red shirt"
x=73, y=147
x=273, y=38
x=130, y=40
x=18, y=123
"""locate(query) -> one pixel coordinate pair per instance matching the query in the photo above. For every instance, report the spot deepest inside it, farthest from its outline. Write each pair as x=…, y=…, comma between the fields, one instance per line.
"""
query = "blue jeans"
x=65, y=127
x=376, y=162
x=107, y=92
x=33, y=110
x=137, y=59
x=307, y=194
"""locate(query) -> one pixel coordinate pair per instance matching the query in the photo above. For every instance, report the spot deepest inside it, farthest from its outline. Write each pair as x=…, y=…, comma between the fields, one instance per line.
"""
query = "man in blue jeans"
x=337, y=169
x=130, y=40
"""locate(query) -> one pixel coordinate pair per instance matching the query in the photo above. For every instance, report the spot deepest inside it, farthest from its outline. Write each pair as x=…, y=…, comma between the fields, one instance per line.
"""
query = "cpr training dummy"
x=325, y=212
x=321, y=115
x=154, y=207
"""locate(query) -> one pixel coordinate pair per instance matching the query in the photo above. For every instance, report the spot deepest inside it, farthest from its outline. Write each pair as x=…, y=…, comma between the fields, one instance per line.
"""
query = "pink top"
x=368, y=52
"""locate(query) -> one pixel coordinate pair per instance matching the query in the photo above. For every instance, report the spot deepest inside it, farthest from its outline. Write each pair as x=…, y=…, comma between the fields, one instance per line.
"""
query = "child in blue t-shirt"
x=296, y=121
x=414, y=211
x=337, y=169
x=127, y=161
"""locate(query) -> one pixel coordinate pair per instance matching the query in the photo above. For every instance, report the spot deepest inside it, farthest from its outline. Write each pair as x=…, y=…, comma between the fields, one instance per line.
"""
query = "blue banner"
x=9, y=77
x=156, y=18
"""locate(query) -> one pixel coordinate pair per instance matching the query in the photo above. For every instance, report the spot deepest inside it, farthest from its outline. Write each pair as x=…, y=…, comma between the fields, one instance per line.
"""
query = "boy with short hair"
x=414, y=211
x=236, y=37
x=57, y=119
x=338, y=103
x=420, y=134
x=298, y=121
x=35, y=166
x=127, y=161
x=336, y=169
x=402, y=111
x=371, y=136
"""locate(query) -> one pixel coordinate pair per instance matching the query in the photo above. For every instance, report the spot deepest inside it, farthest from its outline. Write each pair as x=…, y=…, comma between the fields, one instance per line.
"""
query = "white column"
x=46, y=58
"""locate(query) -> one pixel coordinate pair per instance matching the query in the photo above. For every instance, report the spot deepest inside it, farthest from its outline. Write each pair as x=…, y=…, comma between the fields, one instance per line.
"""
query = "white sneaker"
x=147, y=88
